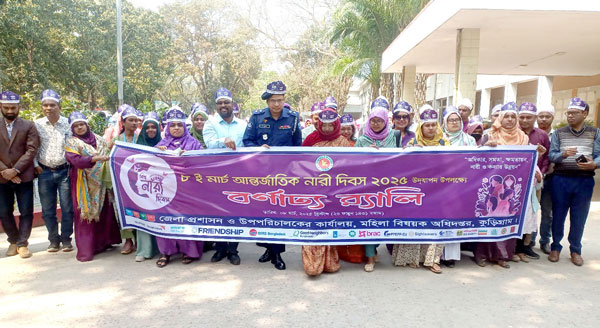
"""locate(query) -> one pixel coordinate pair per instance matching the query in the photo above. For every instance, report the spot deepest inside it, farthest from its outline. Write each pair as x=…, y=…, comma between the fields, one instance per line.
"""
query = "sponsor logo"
x=446, y=233
x=394, y=234
x=363, y=233
x=494, y=232
x=178, y=229
x=459, y=233
x=411, y=233
x=143, y=216
x=335, y=234
x=503, y=231
x=148, y=181
x=136, y=214
x=128, y=212
x=324, y=163
x=151, y=217
x=309, y=233
x=482, y=232
x=352, y=233
x=253, y=232
x=220, y=231
x=512, y=229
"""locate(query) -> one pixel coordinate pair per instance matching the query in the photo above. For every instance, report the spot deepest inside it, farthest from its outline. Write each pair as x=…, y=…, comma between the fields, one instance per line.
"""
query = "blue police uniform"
x=263, y=129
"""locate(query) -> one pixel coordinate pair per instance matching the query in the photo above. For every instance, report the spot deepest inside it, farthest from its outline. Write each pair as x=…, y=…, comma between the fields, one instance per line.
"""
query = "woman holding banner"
x=504, y=131
x=198, y=116
x=177, y=137
x=149, y=136
x=96, y=227
x=429, y=133
x=317, y=259
x=377, y=134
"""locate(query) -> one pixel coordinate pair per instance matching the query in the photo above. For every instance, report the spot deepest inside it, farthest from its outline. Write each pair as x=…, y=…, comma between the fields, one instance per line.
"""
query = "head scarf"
x=143, y=138
x=458, y=138
x=185, y=142
x=439, y=135
x=318, y=135
x=502, y=136
x=197, y=134
x=382, y=113
x=89, y=137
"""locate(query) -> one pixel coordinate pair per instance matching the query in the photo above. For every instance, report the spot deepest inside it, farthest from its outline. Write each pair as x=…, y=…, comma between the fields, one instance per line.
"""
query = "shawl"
x=185, y=142
x=502, y=136
x=458, y=138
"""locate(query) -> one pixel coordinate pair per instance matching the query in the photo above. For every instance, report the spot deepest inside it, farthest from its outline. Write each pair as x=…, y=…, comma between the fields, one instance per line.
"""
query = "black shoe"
x=234, y=259
x=266, y=257
x=218, y=256
x=278, y=262
x=449, y=263
x=67, y=246
x=530, y=253
x=53, y=248
x=545, y=248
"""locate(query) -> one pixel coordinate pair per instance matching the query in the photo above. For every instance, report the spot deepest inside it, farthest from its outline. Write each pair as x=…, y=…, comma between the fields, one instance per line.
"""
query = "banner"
x=302, y=195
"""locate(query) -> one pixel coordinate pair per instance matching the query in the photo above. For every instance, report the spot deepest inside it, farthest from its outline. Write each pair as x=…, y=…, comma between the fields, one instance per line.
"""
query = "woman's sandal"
x=516, y=258
x=369, y=267
x=162, y=261
x=481, y=262
x=503, y=264
x=523, y=258
x=187, y=260
x=435, y=268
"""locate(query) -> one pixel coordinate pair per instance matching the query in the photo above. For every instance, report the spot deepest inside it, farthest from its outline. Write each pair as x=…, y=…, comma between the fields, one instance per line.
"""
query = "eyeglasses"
x=573, y=113
x=402, y=117
x=454, y=120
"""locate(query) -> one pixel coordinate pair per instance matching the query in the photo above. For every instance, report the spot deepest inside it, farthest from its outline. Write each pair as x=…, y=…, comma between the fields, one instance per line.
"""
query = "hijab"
x=318, y=135
x=458, y=138
x=381, y=113
x=185, y=142
x=439, y=135
x=143, y=138
x=89, y=137
x=197, y=134
x=502, y=136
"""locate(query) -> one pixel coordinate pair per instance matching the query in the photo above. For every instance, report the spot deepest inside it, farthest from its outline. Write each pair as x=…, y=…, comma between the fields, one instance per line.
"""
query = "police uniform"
x=262, y=129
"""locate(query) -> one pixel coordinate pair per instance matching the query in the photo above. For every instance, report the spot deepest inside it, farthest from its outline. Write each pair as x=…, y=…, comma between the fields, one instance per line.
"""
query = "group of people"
x=70, y=163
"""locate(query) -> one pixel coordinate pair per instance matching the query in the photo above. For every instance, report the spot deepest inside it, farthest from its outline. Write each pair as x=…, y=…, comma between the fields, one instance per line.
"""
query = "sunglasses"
x=402, y=117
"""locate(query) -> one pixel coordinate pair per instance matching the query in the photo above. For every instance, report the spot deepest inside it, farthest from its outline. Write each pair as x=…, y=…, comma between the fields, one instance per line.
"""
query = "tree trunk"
x=387, y=87
x=421, y=89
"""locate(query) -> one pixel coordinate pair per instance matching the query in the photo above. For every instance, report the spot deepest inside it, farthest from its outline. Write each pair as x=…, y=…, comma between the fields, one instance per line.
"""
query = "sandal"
x=481, y=262
x=369, y=267
x=414, y=266
x=523, y=258
x=435, y=268
x=187, y=260
x=162, y=261
x=503, y=264
x=516, y=258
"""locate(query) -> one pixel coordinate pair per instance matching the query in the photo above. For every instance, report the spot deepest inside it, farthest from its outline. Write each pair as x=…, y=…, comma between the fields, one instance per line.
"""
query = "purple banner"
x=299, y=195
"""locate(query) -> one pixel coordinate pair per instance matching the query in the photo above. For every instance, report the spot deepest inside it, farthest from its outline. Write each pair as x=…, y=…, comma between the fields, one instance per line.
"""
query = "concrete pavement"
x=55, y=290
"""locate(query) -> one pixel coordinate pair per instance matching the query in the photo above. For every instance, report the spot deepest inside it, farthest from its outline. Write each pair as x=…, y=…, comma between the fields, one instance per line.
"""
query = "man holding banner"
x=273, y=126
x=224, y=131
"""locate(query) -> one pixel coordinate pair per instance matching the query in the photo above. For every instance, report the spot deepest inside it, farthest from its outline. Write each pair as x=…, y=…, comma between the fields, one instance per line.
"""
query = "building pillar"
x=409, y=81
x=484, y=107
x=544, y=91
x=510, y=92
x=467, y=62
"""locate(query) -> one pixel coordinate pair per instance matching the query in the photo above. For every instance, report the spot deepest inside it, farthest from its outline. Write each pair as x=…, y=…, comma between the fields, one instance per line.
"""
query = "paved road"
x=55, y=290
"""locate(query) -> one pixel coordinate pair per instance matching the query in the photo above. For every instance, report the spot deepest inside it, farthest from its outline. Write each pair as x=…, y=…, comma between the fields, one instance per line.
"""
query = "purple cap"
x=50, y=95
x=274, y=88
x=317, y=107
x=153, y=117
x=496, y=109
x=403, y=106
x=198, y=108
x=347, y=119
x=75, y=117
x=223, y=93
x=122, y=108
x=577, y=103
x=527, y=108
x=380, y=102
x=139, y=114
x=176, y=115
x=428, y=114
x=128, y=112
x=509, y=107
x=9, y=97
x=328, y=116
x=330, y=102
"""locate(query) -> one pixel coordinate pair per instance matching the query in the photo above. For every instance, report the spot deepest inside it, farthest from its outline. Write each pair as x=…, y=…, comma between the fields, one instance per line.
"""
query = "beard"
x=226, y=114
x=10, y=116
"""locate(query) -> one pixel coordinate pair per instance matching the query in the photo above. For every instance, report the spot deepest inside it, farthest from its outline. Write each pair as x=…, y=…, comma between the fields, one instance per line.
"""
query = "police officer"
x=275, y=125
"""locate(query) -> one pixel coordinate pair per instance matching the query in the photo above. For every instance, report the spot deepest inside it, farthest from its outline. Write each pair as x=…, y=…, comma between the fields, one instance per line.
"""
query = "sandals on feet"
x=162, y=261
x=503, y=264
x=481, y=262
x=369, y=267
x=187, y=260
x=523, y=258
x=435, y=268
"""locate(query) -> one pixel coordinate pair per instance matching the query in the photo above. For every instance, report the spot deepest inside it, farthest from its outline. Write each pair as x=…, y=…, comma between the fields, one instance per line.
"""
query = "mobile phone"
x=581, y=159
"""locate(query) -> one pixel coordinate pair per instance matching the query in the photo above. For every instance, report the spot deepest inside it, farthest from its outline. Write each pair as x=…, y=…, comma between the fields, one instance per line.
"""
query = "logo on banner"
x=253, y=232
x=324, y=163
x=148, y=181
x=352, y=233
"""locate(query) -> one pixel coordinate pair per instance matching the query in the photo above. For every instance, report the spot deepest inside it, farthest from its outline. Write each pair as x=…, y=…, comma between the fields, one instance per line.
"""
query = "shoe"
x=218, y=256
x=23, y=252
x=12, y=250
x=449, y=263
x=545, y=247
x=369, y=267
x=554, y=256
x=266, y=257
x=139, y=258
x=67, y=246
x=278, y=262
x=128, y=248
x=53, y=248
x=530, y=253
x=235, y=259
x=576, y=259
